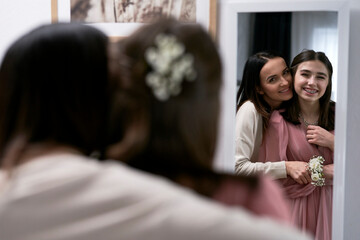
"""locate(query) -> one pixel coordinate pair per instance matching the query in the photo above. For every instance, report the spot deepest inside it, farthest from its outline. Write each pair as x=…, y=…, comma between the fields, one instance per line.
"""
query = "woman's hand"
x=328, y=171
x=298, y=171
x=319, y=136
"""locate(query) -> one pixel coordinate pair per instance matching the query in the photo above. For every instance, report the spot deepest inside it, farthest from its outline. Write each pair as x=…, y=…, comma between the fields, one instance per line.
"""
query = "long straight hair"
x=327, y=106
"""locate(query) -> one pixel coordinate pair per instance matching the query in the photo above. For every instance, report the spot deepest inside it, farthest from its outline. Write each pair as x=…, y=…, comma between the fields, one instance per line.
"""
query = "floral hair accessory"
x=170, y=66
x=315, y=167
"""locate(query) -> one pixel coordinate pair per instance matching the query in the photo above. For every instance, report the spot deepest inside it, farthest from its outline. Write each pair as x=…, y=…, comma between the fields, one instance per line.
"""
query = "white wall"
x=18, y=17
x=346, y=215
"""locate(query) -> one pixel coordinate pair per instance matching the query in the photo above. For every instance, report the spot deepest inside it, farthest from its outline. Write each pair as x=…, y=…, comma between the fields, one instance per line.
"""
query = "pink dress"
x=311, y=207
x=266, y=199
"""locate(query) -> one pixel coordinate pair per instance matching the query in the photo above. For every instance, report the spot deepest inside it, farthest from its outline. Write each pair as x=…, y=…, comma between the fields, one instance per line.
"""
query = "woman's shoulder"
x=269, y=199
x=247, y=108
x=248, y=105
x=247, y=115
x=233, y=192
x=263, y=198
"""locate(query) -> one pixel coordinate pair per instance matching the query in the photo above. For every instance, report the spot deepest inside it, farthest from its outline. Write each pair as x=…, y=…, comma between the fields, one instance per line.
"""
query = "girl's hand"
x=319, y=136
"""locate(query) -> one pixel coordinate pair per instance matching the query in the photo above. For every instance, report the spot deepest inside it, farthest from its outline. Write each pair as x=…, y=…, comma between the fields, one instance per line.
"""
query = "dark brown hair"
x=327, y=107
x=175, y=138
x=251, y=82
x=54, y=88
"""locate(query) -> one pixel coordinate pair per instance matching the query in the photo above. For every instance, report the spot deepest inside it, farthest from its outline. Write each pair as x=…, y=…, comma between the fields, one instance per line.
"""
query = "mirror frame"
x=227, y=39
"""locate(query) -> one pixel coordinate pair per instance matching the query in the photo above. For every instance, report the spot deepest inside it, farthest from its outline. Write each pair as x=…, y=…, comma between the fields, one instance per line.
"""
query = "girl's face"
x=310, y=80
x=275, y=82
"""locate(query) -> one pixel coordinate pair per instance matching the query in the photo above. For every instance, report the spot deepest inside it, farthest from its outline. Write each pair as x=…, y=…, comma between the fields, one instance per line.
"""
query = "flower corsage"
x=315, y=167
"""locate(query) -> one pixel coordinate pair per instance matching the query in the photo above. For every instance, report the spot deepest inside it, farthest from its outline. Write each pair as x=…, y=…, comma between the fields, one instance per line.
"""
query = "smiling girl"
x=305, y=129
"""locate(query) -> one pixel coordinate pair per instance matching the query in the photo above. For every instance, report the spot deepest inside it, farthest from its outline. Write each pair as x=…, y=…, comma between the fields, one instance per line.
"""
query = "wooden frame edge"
x=54, y=11
x=213, y=18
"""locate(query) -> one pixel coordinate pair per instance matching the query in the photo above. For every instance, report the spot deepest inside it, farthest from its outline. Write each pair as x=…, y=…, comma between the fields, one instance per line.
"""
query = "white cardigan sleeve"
x=248, y=137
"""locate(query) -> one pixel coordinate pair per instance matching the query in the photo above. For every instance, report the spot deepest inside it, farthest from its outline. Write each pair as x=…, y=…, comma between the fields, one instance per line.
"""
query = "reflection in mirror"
x=283, y=144
x=288, y=33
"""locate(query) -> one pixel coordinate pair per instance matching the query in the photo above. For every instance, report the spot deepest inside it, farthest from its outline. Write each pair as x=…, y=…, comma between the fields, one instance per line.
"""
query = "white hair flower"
x=170, y=66
x=315, y=167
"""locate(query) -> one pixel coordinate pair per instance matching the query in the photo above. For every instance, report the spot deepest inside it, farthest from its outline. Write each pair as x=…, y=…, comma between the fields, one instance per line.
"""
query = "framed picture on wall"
x=119, y=18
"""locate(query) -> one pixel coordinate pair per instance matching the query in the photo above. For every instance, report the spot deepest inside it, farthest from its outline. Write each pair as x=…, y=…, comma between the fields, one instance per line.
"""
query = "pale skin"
x=311, y=80
x=275, y=82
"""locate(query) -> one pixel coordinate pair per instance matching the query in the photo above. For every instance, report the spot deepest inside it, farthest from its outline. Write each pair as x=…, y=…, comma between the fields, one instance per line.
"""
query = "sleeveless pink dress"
x=311, y=207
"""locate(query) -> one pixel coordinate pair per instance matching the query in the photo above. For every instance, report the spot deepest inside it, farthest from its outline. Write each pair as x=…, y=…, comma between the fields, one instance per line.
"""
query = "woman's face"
x=275, y=82
x=310, y=80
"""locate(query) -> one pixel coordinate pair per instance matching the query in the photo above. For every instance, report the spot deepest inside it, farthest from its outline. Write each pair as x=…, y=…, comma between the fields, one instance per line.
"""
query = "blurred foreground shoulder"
x=68, y=196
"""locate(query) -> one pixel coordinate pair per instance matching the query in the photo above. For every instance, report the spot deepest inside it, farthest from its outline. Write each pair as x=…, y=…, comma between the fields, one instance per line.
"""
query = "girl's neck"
x=309, y=110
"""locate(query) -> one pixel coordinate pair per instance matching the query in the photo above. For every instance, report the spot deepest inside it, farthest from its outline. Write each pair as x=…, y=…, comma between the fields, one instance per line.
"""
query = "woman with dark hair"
x=40, y=83
x=265, y=86
x=168, y=107
x=54, y=99
x=305, y=131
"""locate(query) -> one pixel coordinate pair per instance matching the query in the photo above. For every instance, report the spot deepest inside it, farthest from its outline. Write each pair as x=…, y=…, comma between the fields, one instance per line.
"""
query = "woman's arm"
x=297, y=170
x=248, y=140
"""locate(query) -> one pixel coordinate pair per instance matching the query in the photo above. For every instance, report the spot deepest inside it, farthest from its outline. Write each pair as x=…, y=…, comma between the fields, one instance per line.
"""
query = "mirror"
x=228, y=11
x=288, y=33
